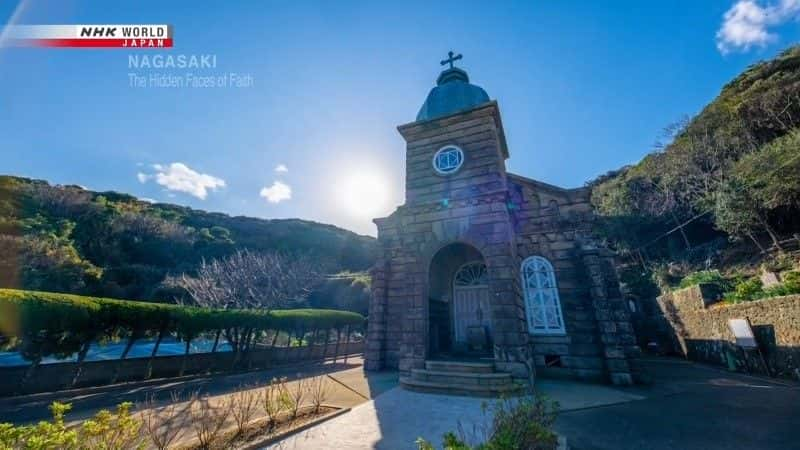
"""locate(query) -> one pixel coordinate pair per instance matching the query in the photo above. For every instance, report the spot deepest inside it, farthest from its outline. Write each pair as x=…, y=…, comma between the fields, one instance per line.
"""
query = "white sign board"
x=743, y=333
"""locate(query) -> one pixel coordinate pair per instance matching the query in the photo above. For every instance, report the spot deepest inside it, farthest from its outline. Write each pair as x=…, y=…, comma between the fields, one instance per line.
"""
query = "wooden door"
x=470, y=308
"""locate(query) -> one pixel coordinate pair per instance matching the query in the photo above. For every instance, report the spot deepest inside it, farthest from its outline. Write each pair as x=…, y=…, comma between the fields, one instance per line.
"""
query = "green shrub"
x=790, y=285
x=111, y=431
x=704, y=276
x=519, y=423
x=42, y=436
x=105, y=431
x=746, y=290
x=752, y=288
x=792, y=281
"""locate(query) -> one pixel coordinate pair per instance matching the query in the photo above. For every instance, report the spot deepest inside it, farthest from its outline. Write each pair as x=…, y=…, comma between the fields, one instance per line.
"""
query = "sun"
x=363, y=194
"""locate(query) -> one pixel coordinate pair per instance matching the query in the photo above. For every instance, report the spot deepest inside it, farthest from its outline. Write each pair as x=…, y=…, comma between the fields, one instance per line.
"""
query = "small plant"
x=704, y=276
x=792, y=281
x=789, y=285
x=778, y=263
x=318, y=389
x=752, y=288
x=43, y=435
x=522, y=423
x=208, y=420
x=163, y=425
x=297, y=396
x=244, y=405
x=275, y=400
x=105, y=431
x=111, y=431
x=746, y=290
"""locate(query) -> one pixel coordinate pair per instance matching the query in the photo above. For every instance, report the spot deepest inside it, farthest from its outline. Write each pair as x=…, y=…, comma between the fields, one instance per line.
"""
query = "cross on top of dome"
x=451, y=59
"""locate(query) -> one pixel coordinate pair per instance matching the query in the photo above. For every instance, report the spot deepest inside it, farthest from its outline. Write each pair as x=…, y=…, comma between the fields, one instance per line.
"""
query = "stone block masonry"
x=466, y=210
x=505, y=218
x=702, y=332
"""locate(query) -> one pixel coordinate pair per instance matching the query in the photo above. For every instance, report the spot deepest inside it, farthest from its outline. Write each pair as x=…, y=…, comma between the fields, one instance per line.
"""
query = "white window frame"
x=536, y=295
x=448, y=170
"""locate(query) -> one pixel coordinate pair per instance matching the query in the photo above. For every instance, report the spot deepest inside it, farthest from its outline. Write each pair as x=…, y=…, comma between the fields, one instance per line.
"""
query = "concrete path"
x=394, y=420
x=688, y=406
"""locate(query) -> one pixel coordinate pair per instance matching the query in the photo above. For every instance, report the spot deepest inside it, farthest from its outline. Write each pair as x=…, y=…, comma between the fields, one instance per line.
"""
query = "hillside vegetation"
x=69, y=239
x=724, y=188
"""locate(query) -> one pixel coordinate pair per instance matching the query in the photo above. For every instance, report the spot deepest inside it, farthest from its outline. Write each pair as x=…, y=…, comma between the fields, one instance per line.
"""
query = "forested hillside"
x=725, y=188
x=68, y=239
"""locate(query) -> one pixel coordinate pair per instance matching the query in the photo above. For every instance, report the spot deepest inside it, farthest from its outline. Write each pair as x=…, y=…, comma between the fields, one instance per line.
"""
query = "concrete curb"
x=269, y=440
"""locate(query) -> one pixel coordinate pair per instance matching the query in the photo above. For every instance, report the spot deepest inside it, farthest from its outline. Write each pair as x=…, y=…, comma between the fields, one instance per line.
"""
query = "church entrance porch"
x=459, y=309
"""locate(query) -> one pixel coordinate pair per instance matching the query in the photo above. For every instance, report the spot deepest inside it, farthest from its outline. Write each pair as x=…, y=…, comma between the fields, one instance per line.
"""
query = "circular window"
x=448, y=159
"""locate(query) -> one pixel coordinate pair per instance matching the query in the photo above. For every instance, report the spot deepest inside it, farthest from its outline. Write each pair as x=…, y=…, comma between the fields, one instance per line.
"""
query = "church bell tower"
x=455, y=214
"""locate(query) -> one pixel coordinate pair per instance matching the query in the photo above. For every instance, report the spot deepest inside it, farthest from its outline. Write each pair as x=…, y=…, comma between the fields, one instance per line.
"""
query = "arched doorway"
x=459, y=309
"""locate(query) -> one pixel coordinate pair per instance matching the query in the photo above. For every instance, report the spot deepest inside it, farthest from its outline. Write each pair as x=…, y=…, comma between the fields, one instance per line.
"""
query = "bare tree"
x=163, y=425
x=208, y=420
x=275, y=400
x=319, y=391
x=249, y=280
x=245, y=403
x=297, y=395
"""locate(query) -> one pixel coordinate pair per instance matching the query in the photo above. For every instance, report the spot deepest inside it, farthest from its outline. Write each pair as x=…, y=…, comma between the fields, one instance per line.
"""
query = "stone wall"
x=557, y=224
x=57, y=376
x=701, y=330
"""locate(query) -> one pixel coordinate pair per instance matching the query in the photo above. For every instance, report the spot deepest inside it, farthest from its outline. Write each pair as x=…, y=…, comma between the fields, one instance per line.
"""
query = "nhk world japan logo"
x=88, y=36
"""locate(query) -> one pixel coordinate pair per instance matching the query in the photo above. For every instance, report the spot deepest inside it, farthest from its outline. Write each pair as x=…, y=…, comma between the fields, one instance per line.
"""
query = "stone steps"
x=460, y=378
x=462, y=389
x=459, y=366
x=492, y=379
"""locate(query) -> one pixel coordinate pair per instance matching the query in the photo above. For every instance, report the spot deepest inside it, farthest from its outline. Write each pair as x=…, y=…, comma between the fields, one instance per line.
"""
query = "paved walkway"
x=394, y=420
x=688, y=406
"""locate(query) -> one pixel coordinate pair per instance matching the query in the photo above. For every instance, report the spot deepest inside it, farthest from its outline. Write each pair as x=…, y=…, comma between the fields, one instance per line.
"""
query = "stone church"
x=481, y=265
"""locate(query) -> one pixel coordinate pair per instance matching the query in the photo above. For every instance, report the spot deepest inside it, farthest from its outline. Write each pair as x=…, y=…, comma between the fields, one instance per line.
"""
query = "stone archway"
x=458, y=302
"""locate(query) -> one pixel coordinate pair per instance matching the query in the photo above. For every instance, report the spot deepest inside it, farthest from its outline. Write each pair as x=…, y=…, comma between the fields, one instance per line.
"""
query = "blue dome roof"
x=453, y=93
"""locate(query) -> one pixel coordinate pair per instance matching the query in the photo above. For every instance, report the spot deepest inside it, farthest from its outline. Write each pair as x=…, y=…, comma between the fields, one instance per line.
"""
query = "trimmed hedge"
x=25, y=311
x=67, y=320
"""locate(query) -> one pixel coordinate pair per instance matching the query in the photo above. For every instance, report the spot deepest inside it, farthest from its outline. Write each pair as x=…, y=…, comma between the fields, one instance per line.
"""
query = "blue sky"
x=583, y=88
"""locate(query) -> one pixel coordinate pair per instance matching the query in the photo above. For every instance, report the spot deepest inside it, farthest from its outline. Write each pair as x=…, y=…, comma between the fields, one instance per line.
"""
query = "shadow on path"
x=26, y=409
x=691, y=406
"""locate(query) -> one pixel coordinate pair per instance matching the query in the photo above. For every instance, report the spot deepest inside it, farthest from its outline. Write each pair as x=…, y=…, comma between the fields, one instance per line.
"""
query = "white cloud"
x=747, y=23
x=278, y=192
x=148, y=200
x=281, y=168
x=179, y=177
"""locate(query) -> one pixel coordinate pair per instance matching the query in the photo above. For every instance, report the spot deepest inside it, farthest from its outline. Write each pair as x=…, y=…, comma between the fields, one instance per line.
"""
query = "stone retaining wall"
x=57, y=376
x=701, y=330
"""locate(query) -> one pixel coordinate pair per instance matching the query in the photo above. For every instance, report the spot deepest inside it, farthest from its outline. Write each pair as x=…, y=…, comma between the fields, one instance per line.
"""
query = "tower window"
x=448, y=159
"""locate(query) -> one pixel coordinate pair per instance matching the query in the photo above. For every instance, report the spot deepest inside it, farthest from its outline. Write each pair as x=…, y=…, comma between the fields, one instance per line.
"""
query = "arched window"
x=542, y=305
